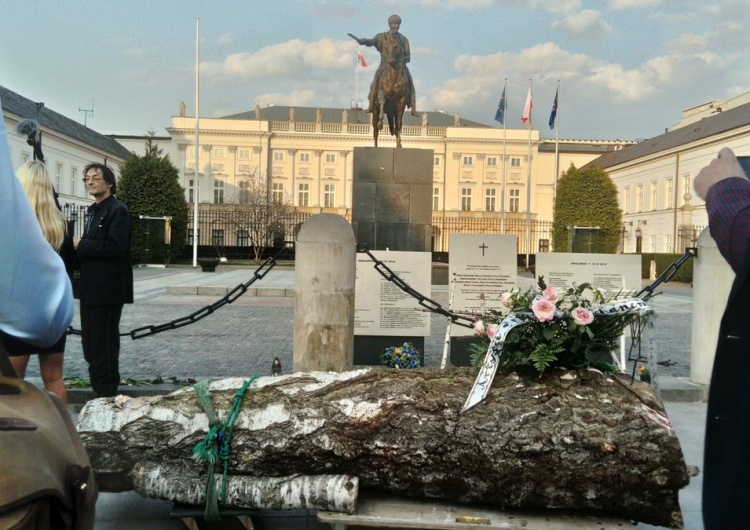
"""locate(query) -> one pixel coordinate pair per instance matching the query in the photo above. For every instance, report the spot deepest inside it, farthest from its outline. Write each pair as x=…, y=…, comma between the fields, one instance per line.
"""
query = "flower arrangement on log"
x=645, y=373
x=545, y=327
x=400, y=357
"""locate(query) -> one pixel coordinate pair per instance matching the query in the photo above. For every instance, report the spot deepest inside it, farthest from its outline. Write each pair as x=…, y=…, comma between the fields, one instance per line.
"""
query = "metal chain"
x=231, y=296
x=427, y=303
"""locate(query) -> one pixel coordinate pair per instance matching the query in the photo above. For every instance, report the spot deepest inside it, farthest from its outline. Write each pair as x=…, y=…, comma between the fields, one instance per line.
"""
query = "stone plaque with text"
x=483, y=267
x=381, y=307
x=613, y=272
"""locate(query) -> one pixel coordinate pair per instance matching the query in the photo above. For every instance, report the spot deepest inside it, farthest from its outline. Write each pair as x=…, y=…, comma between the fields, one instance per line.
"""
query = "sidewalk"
x=243, y=337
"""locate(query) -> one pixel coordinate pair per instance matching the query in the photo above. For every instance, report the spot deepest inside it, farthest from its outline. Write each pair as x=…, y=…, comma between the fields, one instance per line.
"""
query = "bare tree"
x=256, y=213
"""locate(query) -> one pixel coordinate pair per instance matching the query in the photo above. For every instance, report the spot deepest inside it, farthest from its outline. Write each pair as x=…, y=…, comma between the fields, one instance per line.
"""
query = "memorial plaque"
x=483, y=267
x=383, y=309
x=612, y=272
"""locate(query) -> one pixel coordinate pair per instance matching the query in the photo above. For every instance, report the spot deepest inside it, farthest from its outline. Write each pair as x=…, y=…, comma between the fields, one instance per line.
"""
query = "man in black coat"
x=726, y=466
x=106, y=278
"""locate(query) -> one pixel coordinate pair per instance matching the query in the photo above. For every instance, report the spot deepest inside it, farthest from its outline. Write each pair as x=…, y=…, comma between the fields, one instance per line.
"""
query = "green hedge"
x=685, y=274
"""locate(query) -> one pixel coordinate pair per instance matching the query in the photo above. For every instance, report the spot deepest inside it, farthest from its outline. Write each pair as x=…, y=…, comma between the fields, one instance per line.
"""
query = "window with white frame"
x=58, y=175
x=465, y=199
x=243, y=154
x=217, y=237
x=278, y=156
x=492, y=161
x=435, y=198
x=73, y=180
x=626, y=199
x=277, y=193
x=514, y=199
x=243, y=238
x=244, y=197
x=330, y=158
x=303, y=197
x=490, y=198
x=639, y=198
x=686, y=184
x=669, y=194
x=668, y=244
x=515, y=162
x=437, y=161
x=654, y=195
x=304, y=157
x=190, y=151
x=653, y=243
x=467, y=160
x=219, y=152
x=329, y=195
x=218, y=191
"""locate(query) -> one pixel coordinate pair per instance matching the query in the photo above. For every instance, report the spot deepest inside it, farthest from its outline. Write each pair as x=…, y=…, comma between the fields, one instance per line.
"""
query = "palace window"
x=435, y=198
x=220, y=152
x=217, y=237
x=330, y=158
x=243, y=154
x=243, y=238
x=468, y=161
x=304, y=157
x=465, y=199
x=515, y=162
x=639, y=198
x=669, y=194
x=514, y=200
x=490, y=197
x=626, y=199
x=304, y=194
x=277, y=193
x=218, y=191
x=329, y=195
x=278, y=156
x=492, y=161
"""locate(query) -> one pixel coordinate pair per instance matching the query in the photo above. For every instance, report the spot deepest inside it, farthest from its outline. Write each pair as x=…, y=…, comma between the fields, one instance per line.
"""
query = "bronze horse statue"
x=393, y=94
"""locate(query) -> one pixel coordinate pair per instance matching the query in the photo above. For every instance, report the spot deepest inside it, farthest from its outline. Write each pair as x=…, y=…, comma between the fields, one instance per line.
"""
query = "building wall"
x=677, y=210
x=304, y=158
x=65, y=159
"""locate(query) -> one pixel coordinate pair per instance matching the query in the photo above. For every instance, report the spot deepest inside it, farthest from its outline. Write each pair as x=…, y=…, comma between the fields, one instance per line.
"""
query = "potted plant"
x=645, y=373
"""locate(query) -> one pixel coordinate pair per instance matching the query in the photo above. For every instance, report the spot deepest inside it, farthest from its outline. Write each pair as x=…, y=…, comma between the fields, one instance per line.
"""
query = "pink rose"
x=582, y=316
x=479, y=328
x=492, y=329
x=550, y=293
x=544, y=310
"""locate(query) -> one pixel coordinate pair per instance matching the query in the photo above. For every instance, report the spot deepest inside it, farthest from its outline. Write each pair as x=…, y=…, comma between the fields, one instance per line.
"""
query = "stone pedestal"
x=392, y=210
x=324, y=298
x=712, y=281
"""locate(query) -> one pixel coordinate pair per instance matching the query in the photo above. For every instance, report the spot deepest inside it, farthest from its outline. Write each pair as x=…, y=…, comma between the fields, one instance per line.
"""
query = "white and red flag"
x=528, y=106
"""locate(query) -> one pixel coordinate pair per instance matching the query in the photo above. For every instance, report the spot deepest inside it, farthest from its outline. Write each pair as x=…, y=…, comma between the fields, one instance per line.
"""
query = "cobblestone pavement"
x=242, y=338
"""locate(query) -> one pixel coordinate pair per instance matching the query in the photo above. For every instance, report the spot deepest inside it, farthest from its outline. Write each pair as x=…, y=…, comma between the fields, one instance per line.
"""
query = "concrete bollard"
x=325, y=272
x=712, y=281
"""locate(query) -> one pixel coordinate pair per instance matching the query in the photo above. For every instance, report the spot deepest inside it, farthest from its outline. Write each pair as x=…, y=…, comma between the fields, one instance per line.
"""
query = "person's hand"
x=76, y=240
x=724, y=166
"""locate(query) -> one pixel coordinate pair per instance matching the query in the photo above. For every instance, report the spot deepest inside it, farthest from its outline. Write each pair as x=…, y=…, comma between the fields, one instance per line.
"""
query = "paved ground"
x=242, y=339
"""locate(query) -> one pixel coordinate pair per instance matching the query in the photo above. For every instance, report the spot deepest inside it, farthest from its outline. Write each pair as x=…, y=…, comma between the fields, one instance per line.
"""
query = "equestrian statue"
x=392, y=90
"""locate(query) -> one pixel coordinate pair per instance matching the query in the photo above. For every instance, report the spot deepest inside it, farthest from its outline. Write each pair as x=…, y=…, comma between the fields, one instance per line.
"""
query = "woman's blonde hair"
x=38, y=187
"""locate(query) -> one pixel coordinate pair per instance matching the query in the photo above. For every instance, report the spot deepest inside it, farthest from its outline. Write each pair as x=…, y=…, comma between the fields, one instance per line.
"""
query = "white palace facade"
x=484, y=178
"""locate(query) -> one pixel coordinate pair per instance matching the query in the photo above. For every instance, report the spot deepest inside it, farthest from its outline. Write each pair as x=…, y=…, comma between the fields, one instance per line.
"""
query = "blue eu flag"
x=553, y=114
x=501, y=107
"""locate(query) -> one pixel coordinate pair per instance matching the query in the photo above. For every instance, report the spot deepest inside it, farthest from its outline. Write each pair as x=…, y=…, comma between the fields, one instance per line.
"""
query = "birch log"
x=569, y=439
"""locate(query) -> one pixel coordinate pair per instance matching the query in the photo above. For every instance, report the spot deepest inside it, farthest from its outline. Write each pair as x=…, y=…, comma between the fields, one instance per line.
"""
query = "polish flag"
x=361, y=60
x=526, y=118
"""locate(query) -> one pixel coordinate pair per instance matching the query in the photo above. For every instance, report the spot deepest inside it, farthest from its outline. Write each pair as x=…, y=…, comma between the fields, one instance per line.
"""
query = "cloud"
x=561, y=6
x=284, y=59
x=620, y=5
x=588, y=22
x=225, y=38
x=457, y=4
x=687, y=42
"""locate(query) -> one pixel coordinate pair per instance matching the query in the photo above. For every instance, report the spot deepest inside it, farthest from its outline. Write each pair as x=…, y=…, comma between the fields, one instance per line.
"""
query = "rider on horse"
x=382, y=43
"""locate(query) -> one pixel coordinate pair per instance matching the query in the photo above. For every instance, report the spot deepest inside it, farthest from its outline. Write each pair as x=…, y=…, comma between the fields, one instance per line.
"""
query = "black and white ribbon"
x=495, y=351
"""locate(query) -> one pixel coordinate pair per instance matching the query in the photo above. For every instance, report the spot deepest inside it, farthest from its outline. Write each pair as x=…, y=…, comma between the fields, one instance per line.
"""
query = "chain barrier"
x=231, y=296
x=427, y=303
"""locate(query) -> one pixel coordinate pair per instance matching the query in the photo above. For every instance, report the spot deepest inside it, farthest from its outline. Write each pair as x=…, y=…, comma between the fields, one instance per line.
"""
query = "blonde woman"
x=36, y=183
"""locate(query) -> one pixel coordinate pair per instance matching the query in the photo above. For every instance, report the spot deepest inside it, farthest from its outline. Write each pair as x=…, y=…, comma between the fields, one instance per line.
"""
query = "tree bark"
x=568, y=439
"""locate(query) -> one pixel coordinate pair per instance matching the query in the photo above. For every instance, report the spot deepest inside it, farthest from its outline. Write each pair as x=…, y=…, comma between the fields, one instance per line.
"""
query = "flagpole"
x=557, y=141
x=505, y=162
x=528, y=187
x=196, y=186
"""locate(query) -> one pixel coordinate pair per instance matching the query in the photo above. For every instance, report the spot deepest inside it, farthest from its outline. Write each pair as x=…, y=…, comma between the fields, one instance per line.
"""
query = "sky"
x=626, y=68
